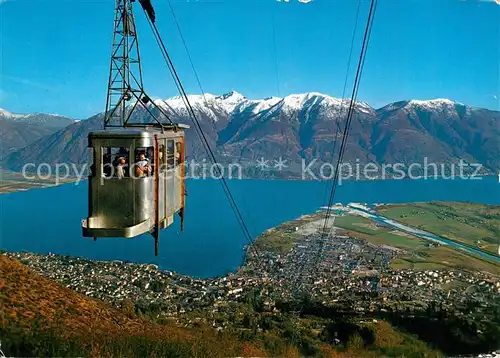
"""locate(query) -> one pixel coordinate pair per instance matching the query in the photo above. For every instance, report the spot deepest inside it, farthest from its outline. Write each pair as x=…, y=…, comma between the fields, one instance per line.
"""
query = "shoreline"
x=40, y=184
x=349, y=209
x=14, y=182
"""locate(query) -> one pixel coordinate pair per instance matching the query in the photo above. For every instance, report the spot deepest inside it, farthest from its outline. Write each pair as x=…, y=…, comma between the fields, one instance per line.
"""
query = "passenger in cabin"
x=142, y=167
x=120, y=168
x=107, y=168
x=125, y=166
x=170, y=156
x=177, y=153
x=143, y=161
x=161, y=160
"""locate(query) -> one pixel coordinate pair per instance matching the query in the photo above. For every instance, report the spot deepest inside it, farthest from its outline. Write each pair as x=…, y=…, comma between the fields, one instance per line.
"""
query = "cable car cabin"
x=136, y=181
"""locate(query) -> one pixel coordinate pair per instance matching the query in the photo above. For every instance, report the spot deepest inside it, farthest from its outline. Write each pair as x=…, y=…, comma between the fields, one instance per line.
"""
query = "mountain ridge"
x=19, y=130
x=305, y=126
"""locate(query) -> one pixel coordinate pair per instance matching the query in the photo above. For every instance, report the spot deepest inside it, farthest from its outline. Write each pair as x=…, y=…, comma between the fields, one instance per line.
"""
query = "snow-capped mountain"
x=8, y=115
x=53, y=120
x=305, y=127
x=211, y=105
x=19, y=130
x=234, y=103
x=432, y=105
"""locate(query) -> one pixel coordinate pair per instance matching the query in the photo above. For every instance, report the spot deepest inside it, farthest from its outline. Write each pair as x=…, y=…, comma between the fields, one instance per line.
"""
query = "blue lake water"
x=49, y=220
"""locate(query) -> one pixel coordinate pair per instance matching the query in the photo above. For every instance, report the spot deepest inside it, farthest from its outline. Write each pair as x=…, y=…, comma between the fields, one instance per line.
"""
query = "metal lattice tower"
x=125, y=85
x=124, y=57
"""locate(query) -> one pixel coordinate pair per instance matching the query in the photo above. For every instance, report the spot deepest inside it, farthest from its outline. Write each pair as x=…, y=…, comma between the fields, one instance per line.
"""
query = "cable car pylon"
x=136, y=181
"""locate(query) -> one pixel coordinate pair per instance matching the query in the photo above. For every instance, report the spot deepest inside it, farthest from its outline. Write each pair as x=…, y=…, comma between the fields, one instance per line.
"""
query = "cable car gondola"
x=136, y=181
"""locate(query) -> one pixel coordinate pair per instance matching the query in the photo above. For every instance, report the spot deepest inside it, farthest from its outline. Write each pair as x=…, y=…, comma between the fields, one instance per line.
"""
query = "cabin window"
x=115, y=162
x=162, y=160
x=170, y=154
x=178, y=153
x=144, y=162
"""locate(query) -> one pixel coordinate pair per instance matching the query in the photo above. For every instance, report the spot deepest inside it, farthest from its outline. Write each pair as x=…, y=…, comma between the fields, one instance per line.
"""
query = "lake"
x=49, y=220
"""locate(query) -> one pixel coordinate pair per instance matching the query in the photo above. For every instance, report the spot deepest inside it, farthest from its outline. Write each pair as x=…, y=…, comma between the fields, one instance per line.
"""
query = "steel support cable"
x=226, y=189
x=359, y=71
x=165, y=55
x=204, y=140
x=190, y=60
x=178, y=84
x=128, y=49
x=187, y=51
x=169, y=65
x=171, y=69
x=196, y=74
x=352, y=103
x=337, y=129
x=184, y=97
x=350, y=112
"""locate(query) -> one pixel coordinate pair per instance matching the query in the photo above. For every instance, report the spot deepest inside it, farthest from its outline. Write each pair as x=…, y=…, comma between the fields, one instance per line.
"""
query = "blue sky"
x=55, y=53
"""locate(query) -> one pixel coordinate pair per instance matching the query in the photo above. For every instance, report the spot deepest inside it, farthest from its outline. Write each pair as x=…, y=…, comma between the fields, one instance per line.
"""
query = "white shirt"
x=120, y=172
x=142, y=163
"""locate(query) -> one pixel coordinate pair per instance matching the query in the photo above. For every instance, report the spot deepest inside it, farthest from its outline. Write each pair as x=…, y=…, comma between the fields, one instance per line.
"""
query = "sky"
x=55, y=54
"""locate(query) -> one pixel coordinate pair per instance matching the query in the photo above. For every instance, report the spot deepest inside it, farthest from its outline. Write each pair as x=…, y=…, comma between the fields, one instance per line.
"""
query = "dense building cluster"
x=351, y=269
x=334, y=270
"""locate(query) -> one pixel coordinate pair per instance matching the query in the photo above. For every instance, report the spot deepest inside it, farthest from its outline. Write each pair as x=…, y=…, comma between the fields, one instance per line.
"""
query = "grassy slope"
x=40, y=317
x=463, y=222
x=377, y=234
x=419, y=255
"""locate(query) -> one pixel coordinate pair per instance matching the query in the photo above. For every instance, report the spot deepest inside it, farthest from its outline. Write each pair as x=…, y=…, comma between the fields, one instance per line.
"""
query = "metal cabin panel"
x=171, y=192
x=162, y=208
x=120, y=204
x=124, y=133
x=116, y=203
x=161, y=198
x=143, y=187
x=115, y=206
x=125, y=207
x=143, y=199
